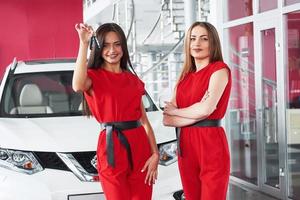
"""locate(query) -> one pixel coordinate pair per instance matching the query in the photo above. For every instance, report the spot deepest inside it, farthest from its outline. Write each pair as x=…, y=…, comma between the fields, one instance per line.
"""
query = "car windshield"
x=45, y=94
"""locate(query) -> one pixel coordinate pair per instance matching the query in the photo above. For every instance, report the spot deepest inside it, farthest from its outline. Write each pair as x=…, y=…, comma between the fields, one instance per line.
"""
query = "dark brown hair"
x=96, y=61
x=215, y=52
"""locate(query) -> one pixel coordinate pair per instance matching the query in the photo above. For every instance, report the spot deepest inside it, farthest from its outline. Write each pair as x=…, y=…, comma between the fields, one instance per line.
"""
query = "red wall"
x=36, y=29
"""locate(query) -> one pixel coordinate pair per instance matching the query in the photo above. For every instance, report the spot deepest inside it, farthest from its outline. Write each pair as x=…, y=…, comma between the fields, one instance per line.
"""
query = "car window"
x=41, y=94
x=46, y=94
x=148, y=103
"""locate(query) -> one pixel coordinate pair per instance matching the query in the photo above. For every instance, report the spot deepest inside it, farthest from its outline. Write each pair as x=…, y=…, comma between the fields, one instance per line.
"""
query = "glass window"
x=237, y=9
x=40, y=95
x=293, y=100
x=290, y=2
x=46, y=94
x=242, y=114
x=267, y=5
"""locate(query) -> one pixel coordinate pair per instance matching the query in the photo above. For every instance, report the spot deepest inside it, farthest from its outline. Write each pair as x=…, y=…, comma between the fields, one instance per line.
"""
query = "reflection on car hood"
x=162, y=133
x=59, y=134
x=62, y=134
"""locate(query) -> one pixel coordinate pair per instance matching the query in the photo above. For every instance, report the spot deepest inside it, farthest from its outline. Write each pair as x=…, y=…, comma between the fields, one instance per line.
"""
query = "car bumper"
x=46, y=185
x=63, y=185
x=168, y=182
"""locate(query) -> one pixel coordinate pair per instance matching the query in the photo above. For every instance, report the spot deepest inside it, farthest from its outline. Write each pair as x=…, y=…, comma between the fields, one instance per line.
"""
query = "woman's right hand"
x=85, y=32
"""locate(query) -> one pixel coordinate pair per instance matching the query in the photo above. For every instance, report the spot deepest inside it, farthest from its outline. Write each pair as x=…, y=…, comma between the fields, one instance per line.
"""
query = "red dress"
x=204, y=164
x=116, y=98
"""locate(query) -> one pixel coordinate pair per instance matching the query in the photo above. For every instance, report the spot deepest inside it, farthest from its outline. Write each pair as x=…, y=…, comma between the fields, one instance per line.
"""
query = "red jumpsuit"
x=204, y=162
x=117, y=98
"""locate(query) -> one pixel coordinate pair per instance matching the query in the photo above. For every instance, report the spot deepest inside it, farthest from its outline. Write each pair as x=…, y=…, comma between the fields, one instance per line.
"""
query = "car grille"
x=84, y=159
x=51, y=160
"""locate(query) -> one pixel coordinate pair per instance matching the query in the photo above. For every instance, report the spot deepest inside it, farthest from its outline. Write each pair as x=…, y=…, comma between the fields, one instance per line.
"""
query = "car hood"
x=59, y=134
x=162, y=133
x=62, y=134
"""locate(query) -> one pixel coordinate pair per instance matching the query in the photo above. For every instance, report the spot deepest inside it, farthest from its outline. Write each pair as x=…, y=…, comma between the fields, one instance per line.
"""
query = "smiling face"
x=199, y=44
x=112, y=49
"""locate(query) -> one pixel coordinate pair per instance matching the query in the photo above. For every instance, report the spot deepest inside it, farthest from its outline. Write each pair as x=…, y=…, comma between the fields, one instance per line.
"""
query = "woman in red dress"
x=127, y=154
x=200, y=102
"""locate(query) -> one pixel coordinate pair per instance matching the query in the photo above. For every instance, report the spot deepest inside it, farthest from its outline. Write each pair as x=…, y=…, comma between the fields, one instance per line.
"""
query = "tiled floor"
x=240, y=193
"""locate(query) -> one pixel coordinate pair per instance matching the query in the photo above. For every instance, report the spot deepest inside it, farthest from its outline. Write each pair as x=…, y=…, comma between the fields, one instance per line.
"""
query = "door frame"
x=264, y=23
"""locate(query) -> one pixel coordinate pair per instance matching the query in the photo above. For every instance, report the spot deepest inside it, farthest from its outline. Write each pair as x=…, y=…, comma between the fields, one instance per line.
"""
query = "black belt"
x=202, y=123
x=118, y=127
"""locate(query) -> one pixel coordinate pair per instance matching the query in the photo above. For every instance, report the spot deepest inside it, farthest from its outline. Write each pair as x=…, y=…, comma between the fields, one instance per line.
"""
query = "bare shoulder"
x=222, y=74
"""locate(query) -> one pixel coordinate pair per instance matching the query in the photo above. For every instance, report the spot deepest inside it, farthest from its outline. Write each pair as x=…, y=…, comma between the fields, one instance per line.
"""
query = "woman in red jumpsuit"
x=127, y=154
x=200, y=102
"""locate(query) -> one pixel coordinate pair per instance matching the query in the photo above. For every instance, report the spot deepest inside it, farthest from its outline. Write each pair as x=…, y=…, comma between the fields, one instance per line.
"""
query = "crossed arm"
x=179, y=117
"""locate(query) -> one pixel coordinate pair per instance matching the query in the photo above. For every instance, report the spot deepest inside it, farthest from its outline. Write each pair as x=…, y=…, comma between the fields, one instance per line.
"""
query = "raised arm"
x=208, y=103
x=81, y=82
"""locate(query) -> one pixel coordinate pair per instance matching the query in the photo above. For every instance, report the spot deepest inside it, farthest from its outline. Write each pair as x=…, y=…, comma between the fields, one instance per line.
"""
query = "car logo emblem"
x=94, y=162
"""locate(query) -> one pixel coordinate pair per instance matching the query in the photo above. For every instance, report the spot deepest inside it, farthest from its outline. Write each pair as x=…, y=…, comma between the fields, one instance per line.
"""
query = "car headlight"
x=19, y=161
x=167, y=153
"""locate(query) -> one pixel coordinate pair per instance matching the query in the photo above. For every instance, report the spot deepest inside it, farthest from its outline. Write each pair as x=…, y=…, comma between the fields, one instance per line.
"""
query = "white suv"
x=47, y=148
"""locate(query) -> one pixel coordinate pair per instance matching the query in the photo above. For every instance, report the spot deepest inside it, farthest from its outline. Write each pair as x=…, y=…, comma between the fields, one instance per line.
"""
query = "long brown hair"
x=95, y=59
x=215, y=52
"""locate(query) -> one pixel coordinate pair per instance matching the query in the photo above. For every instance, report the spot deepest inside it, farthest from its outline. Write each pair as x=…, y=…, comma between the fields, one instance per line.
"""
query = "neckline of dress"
x=110, y=72
x=206, y=67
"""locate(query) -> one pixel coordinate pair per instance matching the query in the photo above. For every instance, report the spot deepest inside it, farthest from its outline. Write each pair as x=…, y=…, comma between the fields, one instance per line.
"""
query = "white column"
x=126, y=16
x=171, y=69
x=214, y=15
x=117, y=20
x=189, y=12
x=199, y=10
x=134, y=42
x=149, y=76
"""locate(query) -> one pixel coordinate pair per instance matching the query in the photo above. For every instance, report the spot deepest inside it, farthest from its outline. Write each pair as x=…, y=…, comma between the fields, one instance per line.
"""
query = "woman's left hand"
x=151, y=166
x=170, y=109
